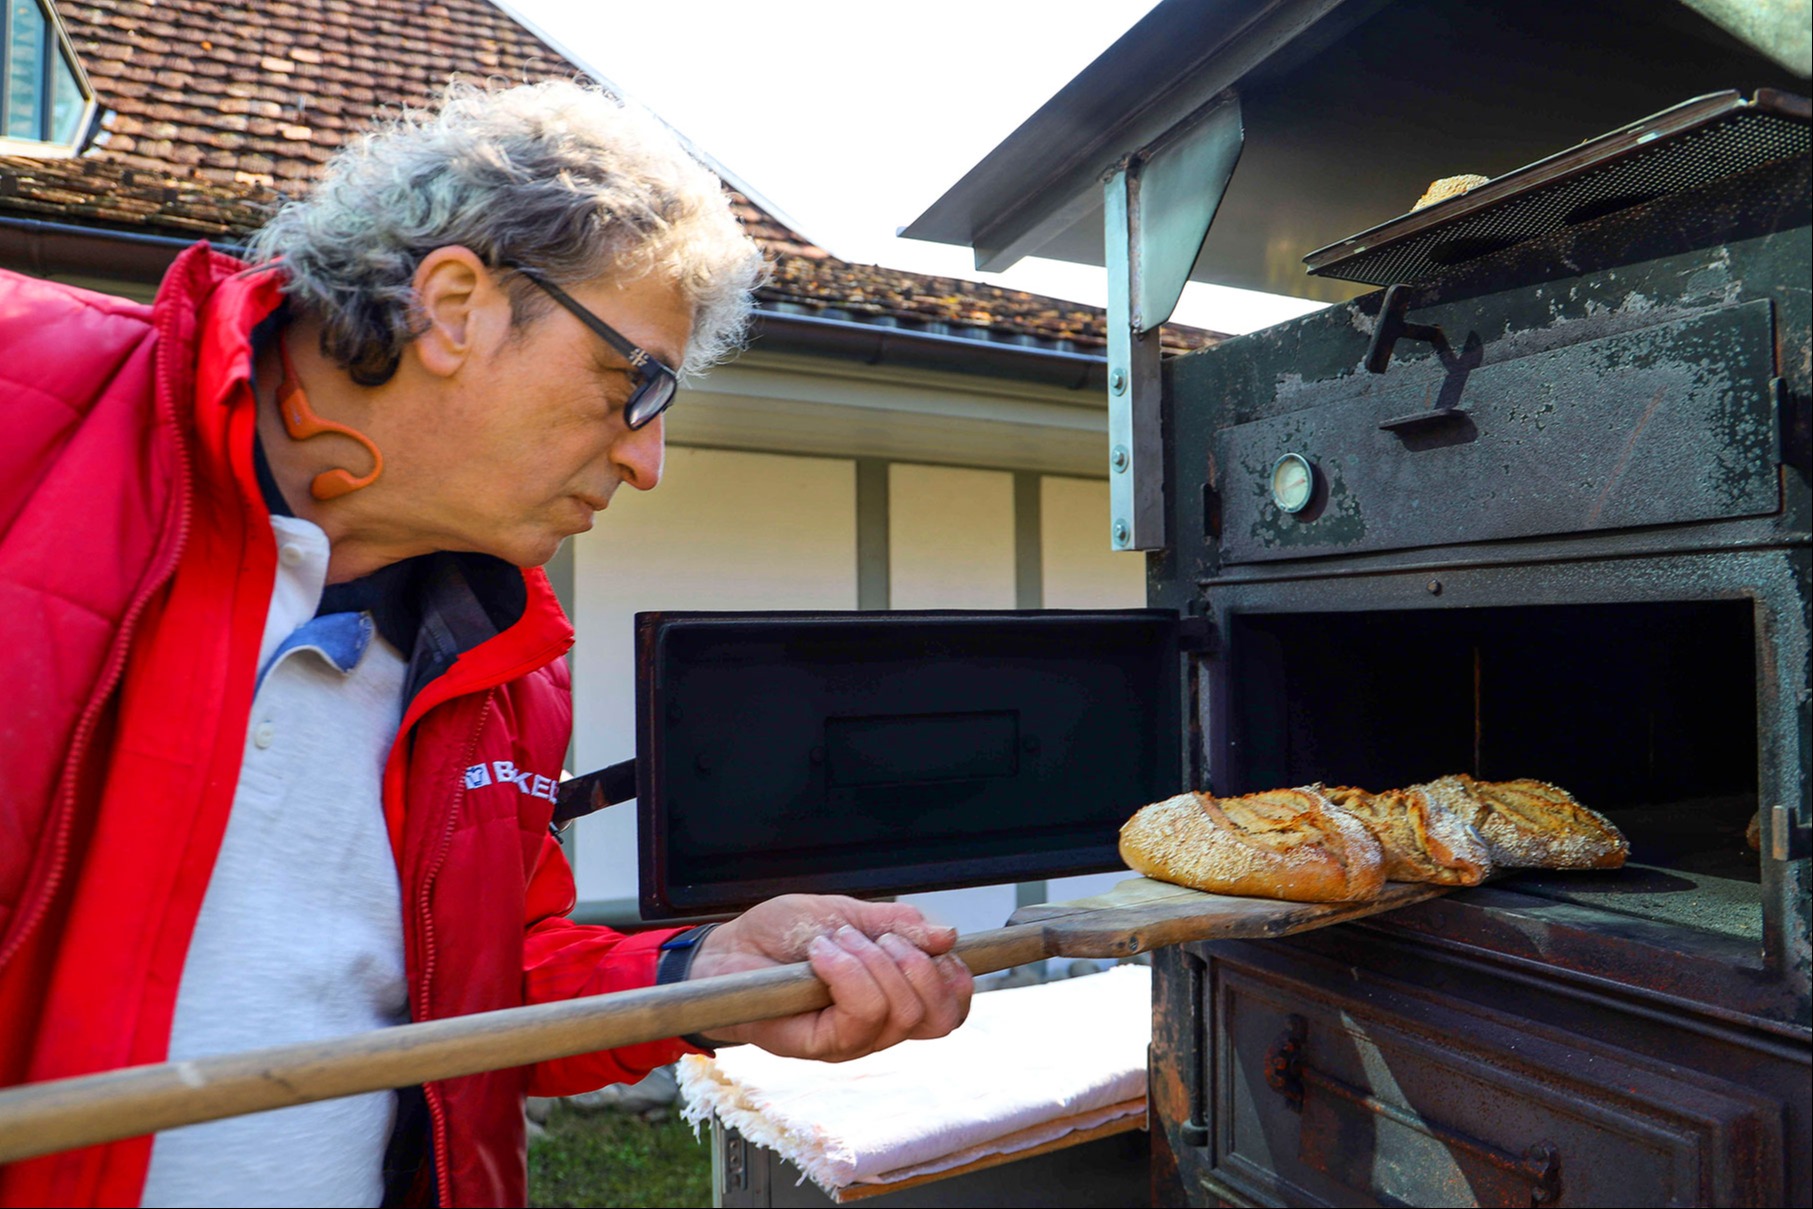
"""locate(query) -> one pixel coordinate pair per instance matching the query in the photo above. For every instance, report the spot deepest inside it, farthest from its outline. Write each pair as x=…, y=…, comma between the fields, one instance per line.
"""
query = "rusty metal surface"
x=1446, y=1044
x=1675, y=258
x=1669, y=424
x=1169, y=1075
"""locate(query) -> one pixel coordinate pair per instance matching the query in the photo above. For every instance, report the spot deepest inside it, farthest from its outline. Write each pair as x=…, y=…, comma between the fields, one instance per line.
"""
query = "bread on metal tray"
x=1291, y=844
x=1532, y=824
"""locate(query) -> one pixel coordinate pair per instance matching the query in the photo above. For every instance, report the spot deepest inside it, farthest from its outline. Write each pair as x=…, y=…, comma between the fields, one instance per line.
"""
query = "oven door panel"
x=1663, y=425
x=877, y=753
x=1375, y=1094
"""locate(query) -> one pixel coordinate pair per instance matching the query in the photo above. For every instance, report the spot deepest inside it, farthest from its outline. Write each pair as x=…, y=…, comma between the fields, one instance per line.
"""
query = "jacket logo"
x=504, y=772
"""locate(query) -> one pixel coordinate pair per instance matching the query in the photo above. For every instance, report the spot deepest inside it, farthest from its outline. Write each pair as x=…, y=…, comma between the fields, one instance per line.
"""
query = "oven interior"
x=1645, y=712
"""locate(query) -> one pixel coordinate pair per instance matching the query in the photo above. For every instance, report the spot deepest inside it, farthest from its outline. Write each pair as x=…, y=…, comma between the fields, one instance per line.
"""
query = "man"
x=278, y=670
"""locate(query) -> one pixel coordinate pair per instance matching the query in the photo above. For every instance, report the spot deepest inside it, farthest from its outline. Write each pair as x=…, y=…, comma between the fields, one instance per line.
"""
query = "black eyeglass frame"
x=652, y=374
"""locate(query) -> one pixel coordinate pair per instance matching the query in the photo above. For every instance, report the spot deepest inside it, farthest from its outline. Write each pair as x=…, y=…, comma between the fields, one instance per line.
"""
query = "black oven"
x=1550, y=518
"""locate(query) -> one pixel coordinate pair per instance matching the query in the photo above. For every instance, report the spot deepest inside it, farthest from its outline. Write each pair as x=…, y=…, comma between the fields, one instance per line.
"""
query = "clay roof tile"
x=210, y=109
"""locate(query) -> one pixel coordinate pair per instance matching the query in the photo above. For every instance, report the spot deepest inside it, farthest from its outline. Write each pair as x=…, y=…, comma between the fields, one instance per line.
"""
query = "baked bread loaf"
x=1532, y=824
x=1448, y=186
x=1291, y=844
x=1425, y=831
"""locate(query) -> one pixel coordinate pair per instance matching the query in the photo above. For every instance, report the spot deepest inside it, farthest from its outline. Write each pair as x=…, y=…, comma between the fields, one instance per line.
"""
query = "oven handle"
x=577, y=797
x=1290, y=1076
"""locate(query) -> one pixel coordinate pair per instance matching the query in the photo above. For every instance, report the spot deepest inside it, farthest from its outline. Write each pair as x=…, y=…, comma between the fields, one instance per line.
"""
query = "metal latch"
x=1789, y=832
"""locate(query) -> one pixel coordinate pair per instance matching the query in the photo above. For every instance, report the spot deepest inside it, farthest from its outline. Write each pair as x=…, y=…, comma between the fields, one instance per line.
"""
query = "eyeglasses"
x=655, y=381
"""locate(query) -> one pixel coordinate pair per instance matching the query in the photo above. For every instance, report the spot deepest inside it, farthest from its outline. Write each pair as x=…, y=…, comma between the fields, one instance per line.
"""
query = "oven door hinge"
x=1195, y=1131
x=1197, y=636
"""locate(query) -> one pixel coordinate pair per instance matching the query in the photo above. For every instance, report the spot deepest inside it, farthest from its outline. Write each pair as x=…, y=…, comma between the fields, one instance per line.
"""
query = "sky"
x=851, y=117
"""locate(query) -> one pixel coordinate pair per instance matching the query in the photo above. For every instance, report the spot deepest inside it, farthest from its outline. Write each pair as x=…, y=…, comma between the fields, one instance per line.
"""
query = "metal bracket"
x=1393, y=326
x=735, y=1153
x=1157, y=206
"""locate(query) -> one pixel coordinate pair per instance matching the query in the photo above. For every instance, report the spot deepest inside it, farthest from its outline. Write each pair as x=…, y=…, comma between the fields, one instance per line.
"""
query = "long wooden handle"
x=41, y=1118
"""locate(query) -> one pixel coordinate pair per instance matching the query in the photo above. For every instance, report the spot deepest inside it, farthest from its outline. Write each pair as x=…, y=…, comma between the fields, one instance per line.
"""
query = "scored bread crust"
x=1425, y=831
x=1536, y=825
x=1290, y=844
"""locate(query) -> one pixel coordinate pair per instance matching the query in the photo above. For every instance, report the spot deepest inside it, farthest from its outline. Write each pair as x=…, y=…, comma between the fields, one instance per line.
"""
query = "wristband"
x=675, y=965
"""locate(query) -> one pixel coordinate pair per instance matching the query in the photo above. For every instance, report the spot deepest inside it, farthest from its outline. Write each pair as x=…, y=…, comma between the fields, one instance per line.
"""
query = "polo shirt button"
x=291, y=556
x=264, y=734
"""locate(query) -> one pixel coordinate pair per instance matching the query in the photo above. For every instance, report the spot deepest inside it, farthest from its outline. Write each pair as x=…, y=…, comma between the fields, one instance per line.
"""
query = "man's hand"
x=890, y=974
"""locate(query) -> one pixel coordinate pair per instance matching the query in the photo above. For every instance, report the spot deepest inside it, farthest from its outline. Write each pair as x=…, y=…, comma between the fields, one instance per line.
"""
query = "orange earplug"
x=301, y=422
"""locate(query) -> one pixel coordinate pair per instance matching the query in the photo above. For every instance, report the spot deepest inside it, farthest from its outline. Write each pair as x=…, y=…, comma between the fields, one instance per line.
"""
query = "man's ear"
x=460, y=309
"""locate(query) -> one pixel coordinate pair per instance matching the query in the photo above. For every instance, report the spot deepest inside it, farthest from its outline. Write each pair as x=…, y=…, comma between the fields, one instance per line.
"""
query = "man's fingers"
x=859, y=1007
x=940, y=1007
x=901, y=1009
x=889, y=972
x=903, y=920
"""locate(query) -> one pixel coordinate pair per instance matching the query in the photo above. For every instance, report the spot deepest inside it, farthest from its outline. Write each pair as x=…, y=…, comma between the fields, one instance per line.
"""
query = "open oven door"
x=878, y=753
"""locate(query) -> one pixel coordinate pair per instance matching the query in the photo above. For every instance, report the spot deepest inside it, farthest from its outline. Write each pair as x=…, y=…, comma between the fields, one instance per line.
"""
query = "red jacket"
x=136, y=565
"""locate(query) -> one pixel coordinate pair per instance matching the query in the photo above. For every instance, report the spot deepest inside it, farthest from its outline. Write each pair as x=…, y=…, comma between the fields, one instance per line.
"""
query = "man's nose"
x=638, y=454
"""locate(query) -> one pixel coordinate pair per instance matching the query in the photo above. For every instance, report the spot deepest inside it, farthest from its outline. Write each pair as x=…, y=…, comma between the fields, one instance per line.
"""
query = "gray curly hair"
x=560, y=176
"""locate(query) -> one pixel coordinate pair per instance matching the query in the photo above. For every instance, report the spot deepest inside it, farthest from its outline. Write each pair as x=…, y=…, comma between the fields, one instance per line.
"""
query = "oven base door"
x=1312, y=1080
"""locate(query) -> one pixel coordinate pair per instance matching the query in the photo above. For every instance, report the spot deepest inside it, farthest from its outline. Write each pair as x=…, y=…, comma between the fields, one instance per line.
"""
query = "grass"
x=618, y=1159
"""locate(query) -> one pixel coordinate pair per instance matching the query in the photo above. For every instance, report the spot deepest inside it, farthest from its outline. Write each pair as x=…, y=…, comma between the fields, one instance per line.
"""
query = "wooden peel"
x=1136, y=916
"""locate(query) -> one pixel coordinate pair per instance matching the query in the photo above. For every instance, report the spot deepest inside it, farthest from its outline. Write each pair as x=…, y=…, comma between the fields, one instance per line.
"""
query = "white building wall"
x=1080, y=570
x=950, y=538
x=724, y=530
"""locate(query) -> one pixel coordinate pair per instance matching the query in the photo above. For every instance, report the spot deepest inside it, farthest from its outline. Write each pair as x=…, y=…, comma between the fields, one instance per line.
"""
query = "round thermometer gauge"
x=1293, y=482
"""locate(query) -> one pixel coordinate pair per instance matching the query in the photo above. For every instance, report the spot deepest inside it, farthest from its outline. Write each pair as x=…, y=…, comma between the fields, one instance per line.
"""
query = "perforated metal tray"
x=1693, y=144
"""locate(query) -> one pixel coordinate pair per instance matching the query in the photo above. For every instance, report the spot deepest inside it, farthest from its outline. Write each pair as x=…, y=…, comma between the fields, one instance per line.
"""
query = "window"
x=45, y=98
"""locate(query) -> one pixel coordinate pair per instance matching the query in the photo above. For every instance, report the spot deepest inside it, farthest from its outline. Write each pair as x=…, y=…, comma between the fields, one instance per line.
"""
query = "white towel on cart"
x=1029, y=1065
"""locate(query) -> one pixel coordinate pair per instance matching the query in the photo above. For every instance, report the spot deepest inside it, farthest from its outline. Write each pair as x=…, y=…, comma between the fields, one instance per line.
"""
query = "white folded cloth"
x=1028, y=1066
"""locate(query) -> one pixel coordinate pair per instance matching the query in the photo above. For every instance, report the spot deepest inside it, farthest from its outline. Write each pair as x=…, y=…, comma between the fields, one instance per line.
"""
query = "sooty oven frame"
x=1496, y=1046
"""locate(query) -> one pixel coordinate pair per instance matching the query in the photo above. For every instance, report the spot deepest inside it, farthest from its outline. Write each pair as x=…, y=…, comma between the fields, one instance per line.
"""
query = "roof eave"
x=1047, y=173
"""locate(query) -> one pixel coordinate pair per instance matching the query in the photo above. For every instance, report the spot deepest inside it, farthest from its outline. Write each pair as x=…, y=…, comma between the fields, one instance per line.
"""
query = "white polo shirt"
x=300, y=936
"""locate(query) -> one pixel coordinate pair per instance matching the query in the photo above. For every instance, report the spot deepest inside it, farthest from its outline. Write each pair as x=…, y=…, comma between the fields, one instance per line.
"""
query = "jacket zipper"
x=116, y=661
x=437, y=1113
